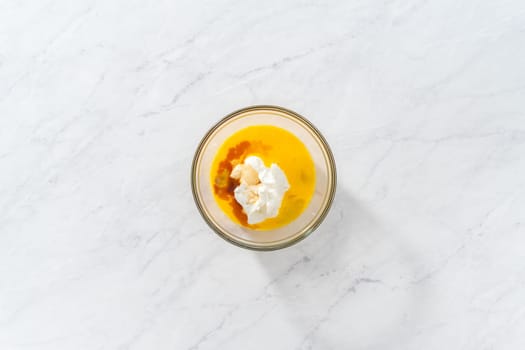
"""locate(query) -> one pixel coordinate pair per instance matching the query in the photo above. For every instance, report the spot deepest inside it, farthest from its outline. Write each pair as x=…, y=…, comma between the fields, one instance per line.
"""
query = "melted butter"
x=273, y=145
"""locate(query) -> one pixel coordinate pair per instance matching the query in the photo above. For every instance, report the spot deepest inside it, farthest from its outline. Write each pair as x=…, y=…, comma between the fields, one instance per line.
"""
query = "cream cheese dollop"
x=261, y=189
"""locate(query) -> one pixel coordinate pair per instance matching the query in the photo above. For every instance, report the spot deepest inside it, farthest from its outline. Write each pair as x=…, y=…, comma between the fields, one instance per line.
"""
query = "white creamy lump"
x=261, y=189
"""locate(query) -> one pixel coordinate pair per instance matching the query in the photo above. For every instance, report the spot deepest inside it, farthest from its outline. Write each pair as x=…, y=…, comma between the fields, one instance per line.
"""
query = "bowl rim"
x=308, y=230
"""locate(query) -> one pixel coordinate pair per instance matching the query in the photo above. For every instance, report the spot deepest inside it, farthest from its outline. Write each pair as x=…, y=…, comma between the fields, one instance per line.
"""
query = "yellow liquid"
x=273, y=145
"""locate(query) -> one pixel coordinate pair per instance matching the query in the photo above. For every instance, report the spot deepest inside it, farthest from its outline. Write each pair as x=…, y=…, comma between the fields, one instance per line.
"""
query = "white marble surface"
x=102, y=104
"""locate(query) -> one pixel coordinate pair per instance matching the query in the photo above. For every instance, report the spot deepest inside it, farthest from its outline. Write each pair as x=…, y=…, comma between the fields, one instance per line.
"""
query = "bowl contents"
x=260, y=190
x=263, y=177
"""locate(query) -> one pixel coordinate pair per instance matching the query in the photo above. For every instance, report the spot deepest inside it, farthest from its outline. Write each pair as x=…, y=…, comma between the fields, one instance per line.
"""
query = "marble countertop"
x=102, y=104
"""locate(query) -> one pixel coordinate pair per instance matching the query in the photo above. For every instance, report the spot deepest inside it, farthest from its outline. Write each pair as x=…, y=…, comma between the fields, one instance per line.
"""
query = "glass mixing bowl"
x=310, y=218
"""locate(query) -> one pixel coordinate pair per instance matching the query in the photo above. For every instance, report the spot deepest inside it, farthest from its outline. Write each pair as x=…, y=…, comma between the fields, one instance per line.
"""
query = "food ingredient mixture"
x=276, y=148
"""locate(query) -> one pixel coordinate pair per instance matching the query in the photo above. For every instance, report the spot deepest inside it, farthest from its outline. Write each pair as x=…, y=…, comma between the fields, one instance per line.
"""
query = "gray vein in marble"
x=473, y=232
x=292, y=267
x=75, y=19
x=292, y=58
x=262, y=296
x=164, y=306
x=248, y=326
x=440, y=266
x=186, y=88
x=516, y=135
x=206, y=27
x=46, y=47
x=182, y=91
x=494, y=93
x=211, y=332
x=161, y=250
x=376, y=165
x=40, y=343
x=306, y=341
